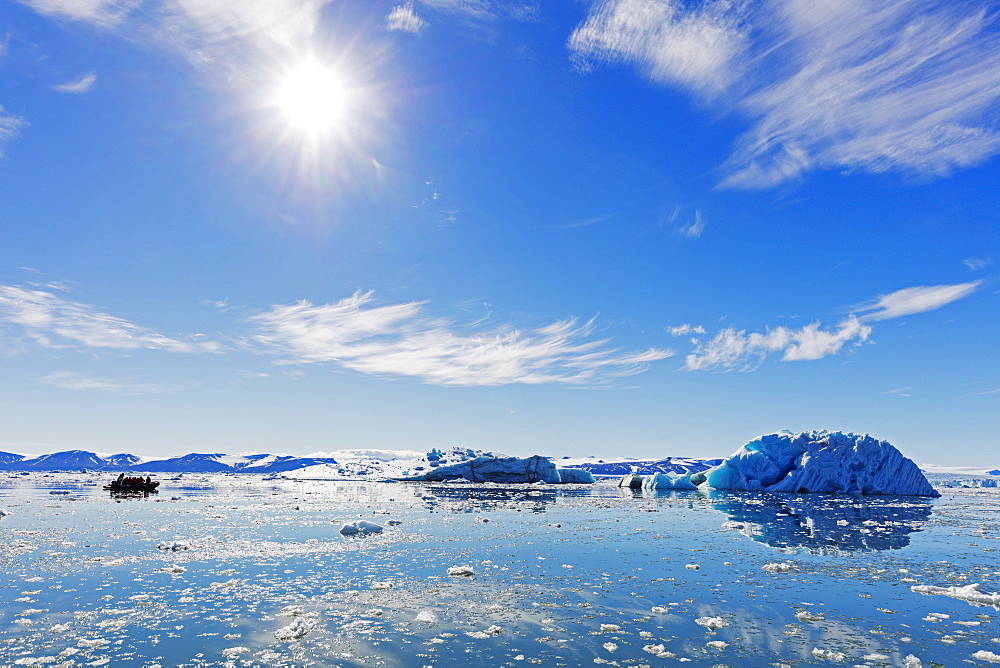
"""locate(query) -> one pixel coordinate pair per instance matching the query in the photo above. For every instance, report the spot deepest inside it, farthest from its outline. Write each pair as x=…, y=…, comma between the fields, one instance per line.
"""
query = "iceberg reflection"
x=823, y=523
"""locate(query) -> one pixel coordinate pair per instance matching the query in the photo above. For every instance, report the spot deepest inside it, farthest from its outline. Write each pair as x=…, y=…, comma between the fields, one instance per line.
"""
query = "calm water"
x=561, y=576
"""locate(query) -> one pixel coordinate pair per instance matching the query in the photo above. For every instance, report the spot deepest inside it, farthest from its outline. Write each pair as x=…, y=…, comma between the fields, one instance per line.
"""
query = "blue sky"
x=624, y=227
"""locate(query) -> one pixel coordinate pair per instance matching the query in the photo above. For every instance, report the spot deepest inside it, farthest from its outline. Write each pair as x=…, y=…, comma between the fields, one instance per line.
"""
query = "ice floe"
x=360, y=527
x=298, y=629
x=971, y=593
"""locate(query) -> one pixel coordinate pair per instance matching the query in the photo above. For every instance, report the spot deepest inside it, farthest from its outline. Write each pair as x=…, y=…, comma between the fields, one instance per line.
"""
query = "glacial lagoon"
x=229, y=570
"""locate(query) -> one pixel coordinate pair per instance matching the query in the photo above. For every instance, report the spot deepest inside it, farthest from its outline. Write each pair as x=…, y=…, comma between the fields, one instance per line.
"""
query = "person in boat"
x=121, y=477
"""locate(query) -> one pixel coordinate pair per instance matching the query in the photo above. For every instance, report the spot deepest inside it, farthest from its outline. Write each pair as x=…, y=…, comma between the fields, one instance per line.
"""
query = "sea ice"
x=778, y=567
x=711, y=623
x=972, y=593
x=298, y=629
x=361, y=527
x=828, y=654
x=818, y=461
x=173, y=546
x=427, y=617
x=461, y=570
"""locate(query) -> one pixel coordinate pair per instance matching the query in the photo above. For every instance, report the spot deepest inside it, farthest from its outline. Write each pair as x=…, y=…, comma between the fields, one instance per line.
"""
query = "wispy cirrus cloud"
x=732, y=349
x=919, y=299
x=860, y=85
x=70, y=380
x=739, y=350
x=102, y=12
x=694, y=46
x=10, y=127
x=400, y=340
x=685, y=329
x=404, y=19
x=81, y=85
x=51, y=321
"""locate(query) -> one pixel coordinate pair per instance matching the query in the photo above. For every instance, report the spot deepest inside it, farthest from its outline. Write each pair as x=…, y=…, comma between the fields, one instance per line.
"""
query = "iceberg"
x=496, y=469
x=575, y=476
x=818, y=461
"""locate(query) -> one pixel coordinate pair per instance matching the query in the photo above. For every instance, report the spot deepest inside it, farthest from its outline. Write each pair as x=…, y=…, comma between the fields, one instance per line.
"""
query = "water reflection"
x=824, y=523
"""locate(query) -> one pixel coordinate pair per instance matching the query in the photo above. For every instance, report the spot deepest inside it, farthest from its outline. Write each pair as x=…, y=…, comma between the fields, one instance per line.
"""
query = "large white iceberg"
x=818, y=461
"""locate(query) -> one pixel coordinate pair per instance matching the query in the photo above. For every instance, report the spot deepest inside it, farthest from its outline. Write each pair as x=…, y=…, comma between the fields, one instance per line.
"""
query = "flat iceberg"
x=818, y=461
x=972, y=593
x=497, y=469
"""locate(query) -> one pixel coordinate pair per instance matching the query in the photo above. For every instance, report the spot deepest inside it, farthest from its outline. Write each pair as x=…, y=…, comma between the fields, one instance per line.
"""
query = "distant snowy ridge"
x=818, y=461
x=78, y=460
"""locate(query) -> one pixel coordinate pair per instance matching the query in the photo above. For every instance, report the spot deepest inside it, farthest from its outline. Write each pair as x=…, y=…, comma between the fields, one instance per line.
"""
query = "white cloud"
x=977, y=263
x=693, y=46
x=520, y=10
x=81, y=85
x=733, y=349
x=10, y=127
x=399, y=340
x=53, y=322
x=693, y=229
x=915, y=300
x=94, y=11
x=403, y=18
x=685, y=329
x=855, y=85
x=69, y=380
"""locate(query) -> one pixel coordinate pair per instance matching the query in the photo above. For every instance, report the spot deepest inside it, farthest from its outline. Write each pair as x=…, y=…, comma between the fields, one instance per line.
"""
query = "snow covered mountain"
x=77, y=460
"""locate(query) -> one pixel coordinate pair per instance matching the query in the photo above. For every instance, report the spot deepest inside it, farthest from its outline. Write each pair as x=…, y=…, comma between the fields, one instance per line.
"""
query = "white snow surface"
x=819, y=461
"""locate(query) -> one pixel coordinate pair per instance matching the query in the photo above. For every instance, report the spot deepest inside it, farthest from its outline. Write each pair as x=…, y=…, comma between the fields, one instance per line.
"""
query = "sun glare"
x=312, y=98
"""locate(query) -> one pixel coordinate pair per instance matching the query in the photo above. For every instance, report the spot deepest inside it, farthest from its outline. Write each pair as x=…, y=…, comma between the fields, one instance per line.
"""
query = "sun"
x=313, y=98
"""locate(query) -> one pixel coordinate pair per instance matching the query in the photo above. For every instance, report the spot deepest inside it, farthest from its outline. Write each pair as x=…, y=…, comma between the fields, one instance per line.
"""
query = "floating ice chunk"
x=224, y=585
x=233, y=652
x=386, y=584
x=610, y=628
x=375, y=612
x=819, y=461
x=828, y=654
x=670, y=480
x=778, y=567
x=173, y=546
x=912, y=661
x=360, y=527
x=291, y=611
x=59, y=628
x=875, y=656
x=139, y=598
x=486, y=633
x=394, y=523
x=91, y=643
x=985, y=655
x=806, y=616
x=298, y=629
x=711, y=623
x=173, y=569
x=717, y=644
x=461, y=570
x=427, y=617
x=972, y=593
x=692, y=567
x=659, y=610
x=659, y=651
x=610, y=646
